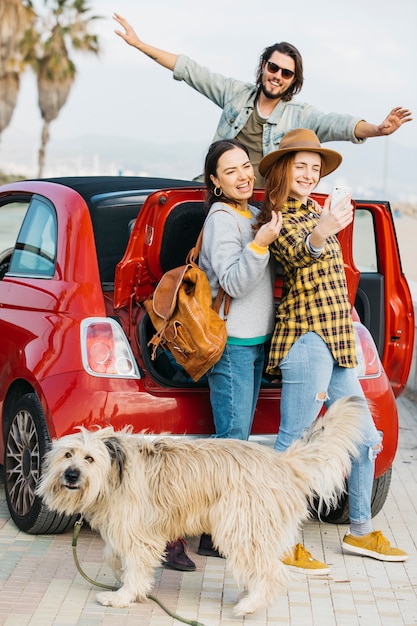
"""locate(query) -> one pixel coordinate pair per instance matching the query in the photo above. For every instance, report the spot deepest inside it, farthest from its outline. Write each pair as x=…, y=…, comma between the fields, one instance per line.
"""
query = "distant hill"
x=381, y=168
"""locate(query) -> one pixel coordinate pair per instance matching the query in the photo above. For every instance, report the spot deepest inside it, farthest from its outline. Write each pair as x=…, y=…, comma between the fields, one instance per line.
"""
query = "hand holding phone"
x=338, y=193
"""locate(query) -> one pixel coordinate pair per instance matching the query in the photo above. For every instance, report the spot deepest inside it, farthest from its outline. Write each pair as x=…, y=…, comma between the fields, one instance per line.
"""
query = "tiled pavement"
x=40, y=586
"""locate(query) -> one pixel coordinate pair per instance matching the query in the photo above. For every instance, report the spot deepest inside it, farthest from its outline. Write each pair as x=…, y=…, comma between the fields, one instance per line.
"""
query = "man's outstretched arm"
x=395, y=118
x=166, y=59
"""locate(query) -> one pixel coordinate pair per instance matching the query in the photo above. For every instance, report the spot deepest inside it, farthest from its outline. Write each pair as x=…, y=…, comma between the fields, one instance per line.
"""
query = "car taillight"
x=369, y=363
x=105, y=349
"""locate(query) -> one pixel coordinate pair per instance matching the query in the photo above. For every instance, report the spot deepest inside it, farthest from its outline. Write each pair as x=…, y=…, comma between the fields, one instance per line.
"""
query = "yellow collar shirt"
x=315, y=296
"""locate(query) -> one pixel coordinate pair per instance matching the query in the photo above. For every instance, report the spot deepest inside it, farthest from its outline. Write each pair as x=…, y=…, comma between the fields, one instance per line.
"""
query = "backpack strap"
x=193, y=254
x=192, y=257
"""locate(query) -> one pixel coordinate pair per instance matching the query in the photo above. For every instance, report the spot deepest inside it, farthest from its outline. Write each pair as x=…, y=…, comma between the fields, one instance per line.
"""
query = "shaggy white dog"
x=140, y=492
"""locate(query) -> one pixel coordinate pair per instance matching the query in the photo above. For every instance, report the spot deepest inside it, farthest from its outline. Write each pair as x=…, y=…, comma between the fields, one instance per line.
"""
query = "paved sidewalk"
x=40, y=586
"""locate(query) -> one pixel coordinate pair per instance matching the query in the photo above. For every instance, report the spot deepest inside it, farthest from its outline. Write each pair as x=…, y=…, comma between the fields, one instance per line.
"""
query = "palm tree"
x=55, y=70
x=16, y=25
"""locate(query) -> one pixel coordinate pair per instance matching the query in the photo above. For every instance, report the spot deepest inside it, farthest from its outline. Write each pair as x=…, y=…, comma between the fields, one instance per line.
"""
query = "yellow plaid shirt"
x=315, y=296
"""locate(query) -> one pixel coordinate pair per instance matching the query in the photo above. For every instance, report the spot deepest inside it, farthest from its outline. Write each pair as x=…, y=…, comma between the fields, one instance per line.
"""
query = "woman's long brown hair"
x=277, y=187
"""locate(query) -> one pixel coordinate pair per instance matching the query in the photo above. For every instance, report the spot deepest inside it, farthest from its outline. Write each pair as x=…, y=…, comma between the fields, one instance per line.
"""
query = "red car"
x=77, y=258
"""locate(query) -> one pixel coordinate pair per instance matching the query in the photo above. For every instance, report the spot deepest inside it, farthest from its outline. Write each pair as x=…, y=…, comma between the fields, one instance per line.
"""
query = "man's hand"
x=129, y=35
x=396, y=118
x=164, y=58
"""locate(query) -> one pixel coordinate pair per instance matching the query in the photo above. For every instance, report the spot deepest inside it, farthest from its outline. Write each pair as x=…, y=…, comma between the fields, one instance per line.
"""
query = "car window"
x=11, y=218
x=364, y=244
x=113, y=216
x=35, y=249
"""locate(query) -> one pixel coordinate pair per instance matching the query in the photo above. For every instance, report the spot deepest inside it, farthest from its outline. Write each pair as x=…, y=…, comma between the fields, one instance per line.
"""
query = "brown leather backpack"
x=184, y=318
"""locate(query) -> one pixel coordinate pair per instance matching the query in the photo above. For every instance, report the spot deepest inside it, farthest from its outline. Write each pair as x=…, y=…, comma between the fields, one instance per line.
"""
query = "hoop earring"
x=218, y=192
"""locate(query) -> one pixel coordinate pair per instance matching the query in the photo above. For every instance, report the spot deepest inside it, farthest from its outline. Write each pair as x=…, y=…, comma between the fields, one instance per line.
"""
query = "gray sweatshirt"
x=245, y=271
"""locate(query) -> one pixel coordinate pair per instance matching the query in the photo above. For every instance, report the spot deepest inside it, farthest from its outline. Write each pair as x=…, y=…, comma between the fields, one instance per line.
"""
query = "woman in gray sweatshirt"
x=237, y=259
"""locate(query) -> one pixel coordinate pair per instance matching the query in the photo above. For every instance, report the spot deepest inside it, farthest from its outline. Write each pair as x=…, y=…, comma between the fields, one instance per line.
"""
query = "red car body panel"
x=40, y=325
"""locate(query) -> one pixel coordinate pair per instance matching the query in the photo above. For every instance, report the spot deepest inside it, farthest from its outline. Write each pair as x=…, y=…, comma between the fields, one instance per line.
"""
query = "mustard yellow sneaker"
x=300, y=560
x=374, y=545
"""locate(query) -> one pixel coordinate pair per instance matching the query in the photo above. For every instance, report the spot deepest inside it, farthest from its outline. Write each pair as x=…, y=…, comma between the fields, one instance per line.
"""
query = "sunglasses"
x=274, y=68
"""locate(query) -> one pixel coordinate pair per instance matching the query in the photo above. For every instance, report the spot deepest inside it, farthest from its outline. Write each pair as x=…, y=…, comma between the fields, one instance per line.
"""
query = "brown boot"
x=176, y=556
x=206, y=547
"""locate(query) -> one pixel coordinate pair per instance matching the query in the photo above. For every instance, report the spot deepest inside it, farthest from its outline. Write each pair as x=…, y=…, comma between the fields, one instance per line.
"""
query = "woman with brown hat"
x=313, y=345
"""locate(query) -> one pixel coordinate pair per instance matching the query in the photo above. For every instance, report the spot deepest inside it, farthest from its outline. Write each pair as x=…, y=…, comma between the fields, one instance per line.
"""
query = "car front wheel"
x=26, y=441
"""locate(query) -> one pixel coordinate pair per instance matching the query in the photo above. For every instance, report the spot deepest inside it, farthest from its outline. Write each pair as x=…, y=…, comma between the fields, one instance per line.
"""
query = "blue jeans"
x=311, y=378
x=234, y=383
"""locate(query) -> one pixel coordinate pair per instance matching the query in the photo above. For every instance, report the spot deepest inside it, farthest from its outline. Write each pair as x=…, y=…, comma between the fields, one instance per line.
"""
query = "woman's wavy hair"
x=277, y=188
x=215, y=151
x=284, y=48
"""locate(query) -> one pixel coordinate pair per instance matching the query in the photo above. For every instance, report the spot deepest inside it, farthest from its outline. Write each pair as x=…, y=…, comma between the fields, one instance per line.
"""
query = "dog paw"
x=112, y=598
x=244, y=607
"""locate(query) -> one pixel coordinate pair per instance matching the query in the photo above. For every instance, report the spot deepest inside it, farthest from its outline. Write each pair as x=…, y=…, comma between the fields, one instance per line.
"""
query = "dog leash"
x=77, y=527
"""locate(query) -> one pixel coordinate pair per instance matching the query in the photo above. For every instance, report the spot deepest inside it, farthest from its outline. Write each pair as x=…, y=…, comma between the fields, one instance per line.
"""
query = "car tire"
x=26, y=441
x=380, y=490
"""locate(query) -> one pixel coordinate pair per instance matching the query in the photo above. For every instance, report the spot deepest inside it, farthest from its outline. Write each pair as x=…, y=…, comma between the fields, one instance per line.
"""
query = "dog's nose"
x=71, y=476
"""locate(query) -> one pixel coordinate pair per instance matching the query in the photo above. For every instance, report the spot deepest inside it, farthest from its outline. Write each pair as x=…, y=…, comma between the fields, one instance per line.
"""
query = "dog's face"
x=81, y=469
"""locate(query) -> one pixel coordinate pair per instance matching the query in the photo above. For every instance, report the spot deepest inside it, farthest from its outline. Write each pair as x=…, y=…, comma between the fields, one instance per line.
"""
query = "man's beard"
x=269, y=95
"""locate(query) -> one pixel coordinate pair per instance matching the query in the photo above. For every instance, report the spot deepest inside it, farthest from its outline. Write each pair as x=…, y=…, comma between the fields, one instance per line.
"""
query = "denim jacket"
x=237, y=100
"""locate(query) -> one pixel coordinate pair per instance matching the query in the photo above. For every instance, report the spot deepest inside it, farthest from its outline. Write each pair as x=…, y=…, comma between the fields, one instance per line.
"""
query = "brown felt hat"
x=302, y=139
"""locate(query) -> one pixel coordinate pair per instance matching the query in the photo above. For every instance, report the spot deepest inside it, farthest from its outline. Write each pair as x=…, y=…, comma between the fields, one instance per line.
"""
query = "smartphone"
x=338, y=193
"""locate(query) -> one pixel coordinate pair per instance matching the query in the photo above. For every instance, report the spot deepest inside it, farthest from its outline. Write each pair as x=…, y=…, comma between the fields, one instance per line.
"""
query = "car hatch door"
x=383, y=299
x=165, y=230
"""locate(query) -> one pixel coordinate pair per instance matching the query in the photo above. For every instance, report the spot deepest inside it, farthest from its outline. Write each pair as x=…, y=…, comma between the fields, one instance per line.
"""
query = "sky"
x=359, y=58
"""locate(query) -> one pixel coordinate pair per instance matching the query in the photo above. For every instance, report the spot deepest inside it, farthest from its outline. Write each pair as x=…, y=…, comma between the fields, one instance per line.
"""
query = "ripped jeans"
x=311, y=378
